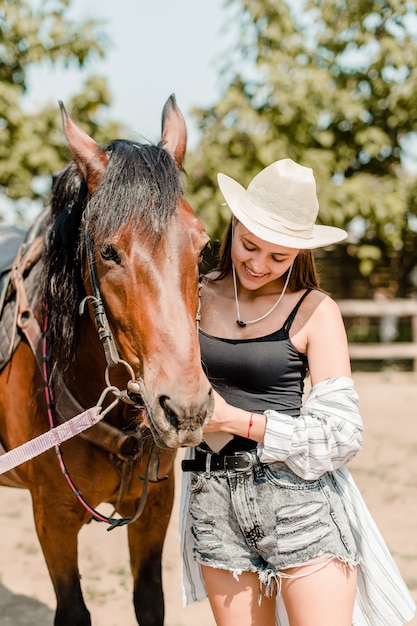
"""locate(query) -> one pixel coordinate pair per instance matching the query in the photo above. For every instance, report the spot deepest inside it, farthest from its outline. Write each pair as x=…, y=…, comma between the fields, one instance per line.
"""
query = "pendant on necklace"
x=240, y=323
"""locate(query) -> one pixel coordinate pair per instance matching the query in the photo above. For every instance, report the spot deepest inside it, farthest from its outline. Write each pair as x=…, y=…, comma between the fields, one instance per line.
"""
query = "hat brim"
x=240, y=204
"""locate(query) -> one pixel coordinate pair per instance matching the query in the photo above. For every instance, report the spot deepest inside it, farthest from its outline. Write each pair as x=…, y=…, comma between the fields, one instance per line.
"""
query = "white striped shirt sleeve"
x=325, y=436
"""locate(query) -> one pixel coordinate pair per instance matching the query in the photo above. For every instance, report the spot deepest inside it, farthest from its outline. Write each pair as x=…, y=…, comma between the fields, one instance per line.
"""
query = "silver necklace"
x=240, y=322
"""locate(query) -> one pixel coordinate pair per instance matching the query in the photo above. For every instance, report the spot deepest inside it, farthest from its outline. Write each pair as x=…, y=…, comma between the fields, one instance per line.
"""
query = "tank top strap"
x=288, y=322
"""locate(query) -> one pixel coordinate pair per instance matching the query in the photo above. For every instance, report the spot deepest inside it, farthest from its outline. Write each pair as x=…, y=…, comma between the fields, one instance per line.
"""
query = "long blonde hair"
x=303, y=274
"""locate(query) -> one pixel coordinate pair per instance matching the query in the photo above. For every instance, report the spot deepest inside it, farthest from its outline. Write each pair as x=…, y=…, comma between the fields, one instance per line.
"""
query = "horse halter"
x=131, y=395
x=133, y=391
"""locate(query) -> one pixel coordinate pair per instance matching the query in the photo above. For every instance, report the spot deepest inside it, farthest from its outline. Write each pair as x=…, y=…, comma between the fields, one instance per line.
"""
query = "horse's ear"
x=174, y=131
x=90, y=159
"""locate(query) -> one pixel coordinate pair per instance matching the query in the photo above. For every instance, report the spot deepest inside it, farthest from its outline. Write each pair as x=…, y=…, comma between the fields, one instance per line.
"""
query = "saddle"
x=20, y=251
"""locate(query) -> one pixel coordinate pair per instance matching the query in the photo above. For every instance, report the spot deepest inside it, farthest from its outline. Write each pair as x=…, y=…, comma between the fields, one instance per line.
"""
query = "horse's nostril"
x=169, y=412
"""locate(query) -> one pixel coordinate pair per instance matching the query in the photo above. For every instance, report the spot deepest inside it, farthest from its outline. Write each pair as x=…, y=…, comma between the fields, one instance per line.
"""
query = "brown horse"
x=113, y=289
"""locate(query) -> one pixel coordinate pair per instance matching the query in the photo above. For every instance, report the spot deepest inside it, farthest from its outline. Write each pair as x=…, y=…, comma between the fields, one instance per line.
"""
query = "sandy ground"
x=386, y=472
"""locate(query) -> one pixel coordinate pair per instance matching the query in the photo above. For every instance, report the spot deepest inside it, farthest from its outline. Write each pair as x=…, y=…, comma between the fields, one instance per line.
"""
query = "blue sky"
x=158, y=47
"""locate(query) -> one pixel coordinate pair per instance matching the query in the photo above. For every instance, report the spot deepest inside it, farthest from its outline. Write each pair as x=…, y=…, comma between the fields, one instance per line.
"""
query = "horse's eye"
x=109, y=253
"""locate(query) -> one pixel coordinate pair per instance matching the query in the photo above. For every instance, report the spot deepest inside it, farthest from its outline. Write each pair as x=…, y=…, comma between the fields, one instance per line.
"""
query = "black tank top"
x=257, y=374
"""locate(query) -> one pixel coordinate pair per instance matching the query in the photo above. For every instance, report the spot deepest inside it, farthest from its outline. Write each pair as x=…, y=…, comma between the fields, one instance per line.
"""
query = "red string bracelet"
x=250, y=424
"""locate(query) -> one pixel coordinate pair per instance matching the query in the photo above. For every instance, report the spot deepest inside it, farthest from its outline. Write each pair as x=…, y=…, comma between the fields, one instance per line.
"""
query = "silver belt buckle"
x=248, y=458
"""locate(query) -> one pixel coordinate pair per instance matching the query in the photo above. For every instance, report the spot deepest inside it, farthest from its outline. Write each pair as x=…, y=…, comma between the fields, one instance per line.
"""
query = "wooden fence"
x=400, y=307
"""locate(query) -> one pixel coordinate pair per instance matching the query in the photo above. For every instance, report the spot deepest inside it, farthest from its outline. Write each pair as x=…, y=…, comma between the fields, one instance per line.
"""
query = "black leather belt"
x=207, y=462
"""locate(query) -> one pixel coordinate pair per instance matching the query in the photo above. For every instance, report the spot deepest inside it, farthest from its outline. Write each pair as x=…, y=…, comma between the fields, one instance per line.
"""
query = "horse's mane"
x=141, y=184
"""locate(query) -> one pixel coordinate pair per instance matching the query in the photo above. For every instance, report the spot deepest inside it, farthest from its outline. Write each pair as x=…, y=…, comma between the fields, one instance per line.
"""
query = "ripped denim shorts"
x=265, y=519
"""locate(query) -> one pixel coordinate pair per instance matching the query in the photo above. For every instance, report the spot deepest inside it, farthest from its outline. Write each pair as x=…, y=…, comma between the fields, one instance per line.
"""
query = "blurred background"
x=331, y=84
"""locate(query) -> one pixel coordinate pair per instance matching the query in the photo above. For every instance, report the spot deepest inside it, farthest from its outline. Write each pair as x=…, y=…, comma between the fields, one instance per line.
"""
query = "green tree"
x=333, y=85
x=32, y=145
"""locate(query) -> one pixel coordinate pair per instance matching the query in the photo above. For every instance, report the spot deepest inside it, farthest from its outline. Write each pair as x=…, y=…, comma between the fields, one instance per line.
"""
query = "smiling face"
x=257, y=262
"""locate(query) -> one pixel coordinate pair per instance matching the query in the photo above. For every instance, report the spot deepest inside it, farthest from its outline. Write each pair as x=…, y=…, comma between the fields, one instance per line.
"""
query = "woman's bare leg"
x=323, y=598
x=235, y=602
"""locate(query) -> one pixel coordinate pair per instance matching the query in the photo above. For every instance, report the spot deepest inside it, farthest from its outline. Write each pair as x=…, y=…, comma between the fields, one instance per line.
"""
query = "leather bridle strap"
x=100, y=317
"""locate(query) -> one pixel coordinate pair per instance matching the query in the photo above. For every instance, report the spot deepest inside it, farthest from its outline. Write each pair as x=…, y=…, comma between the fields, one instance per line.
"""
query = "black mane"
x=141, y=184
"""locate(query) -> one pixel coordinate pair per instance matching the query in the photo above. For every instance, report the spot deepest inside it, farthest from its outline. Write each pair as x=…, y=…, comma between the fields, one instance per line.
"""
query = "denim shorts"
x=265, y=519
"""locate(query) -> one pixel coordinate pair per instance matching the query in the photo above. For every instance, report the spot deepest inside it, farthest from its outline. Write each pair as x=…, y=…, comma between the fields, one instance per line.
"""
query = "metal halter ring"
x=132, y=394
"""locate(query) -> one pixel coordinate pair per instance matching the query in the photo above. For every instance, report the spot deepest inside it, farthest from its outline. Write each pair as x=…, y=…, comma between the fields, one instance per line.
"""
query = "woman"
x=273, y=525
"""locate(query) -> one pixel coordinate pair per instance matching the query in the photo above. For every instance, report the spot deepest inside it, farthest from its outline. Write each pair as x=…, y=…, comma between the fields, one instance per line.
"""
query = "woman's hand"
x=229, y=419
x=218, y=419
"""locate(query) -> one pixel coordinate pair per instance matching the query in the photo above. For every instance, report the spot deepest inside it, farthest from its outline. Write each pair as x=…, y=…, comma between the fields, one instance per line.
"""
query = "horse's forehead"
x=182, y=230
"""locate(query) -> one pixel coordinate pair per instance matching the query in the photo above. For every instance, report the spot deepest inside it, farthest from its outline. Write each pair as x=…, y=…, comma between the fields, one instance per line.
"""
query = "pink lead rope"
x=48, y=440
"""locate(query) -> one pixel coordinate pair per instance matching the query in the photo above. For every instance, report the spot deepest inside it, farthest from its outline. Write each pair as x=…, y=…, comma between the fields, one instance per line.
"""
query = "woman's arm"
x=230, y=419
x=326, y=343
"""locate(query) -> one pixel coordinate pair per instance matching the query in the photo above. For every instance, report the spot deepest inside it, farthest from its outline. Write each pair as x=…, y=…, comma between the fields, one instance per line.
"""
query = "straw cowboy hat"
x=280, y=206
